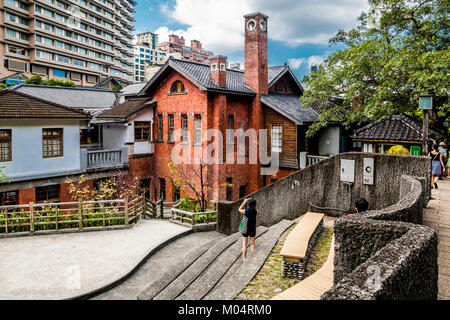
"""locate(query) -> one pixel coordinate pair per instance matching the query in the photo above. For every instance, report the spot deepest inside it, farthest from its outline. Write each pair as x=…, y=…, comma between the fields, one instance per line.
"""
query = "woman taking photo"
x=250, y=213
x=437, y=164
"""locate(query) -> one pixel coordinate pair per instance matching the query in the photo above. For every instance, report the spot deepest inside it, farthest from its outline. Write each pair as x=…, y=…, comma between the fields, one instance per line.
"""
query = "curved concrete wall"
x=320, y=184
x=378, y=255
x=382, y=254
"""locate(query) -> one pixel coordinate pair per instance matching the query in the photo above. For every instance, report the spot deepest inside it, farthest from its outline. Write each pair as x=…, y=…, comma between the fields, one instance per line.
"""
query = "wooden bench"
x=298, y=244
x=313, y=286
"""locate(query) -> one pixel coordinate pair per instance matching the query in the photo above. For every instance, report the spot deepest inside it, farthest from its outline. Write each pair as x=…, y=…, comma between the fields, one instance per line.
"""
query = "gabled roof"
x=199, y=74
x=14, y=104
x=132, y=89
x=105, y=81
x=16, y=76
x=127, y=109
x=90, y=100
x=398, y=127
x=277, y=72
x=290, y=106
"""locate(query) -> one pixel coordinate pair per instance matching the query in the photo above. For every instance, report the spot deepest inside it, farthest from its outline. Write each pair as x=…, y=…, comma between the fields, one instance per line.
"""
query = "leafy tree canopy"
x=399, y=50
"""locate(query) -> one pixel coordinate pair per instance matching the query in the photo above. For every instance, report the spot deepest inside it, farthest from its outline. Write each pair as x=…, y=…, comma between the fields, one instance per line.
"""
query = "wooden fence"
x=194, y=218
x=81, y=215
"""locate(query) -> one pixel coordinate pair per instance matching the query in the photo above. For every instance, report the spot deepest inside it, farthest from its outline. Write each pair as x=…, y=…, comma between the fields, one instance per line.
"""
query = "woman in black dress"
x=250, y=213
x=437, y=164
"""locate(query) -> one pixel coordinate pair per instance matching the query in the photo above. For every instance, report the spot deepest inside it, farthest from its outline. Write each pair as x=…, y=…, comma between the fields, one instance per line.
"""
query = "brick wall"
x=27, y=195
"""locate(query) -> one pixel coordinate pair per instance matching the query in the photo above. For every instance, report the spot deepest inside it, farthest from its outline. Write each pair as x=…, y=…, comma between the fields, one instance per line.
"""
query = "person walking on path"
x=436, y=165
x=250, y=213
x=443, y=152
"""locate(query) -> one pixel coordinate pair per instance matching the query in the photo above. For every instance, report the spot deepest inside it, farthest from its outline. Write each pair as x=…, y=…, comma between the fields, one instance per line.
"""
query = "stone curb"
x=249, y=268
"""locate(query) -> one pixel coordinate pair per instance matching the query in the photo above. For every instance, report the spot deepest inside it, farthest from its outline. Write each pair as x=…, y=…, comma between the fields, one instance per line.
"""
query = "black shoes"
x=435, y=185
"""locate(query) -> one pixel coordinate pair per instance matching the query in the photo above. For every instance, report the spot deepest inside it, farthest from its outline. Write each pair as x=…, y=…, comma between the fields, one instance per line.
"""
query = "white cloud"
x=219, y=24
x=296, y=63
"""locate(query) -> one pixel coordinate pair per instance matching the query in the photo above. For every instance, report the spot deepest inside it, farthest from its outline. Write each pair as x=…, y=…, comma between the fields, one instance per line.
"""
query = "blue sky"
x=298, y=29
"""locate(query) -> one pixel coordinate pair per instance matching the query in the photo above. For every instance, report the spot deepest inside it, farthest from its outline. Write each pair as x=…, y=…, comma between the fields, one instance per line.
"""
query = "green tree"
x=3, y=86
x=399, y=51
x=34, y=79
x=117, y=87
x=3, y=175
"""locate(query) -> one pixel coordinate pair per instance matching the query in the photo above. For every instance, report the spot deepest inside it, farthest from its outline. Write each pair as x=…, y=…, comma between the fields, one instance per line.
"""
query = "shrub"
x=398, y=150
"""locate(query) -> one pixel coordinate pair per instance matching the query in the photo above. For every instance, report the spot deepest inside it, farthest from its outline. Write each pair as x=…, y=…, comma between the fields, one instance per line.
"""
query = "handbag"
x=243, y=225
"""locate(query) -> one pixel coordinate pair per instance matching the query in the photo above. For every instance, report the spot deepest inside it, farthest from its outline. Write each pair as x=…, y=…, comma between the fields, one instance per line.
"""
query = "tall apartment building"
x=193, y=53
x=146, y=55
x=85, y=41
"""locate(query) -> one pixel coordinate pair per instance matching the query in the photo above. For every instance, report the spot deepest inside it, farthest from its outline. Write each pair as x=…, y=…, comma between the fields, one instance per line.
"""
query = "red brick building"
x=194, y=52
x=196, y=97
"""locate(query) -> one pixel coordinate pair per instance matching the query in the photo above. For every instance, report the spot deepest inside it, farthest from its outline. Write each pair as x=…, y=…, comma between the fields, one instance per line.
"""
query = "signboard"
x=426, y=102
x=347, y=170
x=369, y=168
x=416, y=150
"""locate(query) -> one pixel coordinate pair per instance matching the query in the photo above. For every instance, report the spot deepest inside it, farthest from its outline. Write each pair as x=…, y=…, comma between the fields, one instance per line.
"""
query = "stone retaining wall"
x=320, y=184
x=380, y=255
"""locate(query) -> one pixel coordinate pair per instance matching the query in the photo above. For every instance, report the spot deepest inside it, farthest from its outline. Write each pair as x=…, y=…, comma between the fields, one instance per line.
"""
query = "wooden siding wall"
x=288, y=156
x=291, y=87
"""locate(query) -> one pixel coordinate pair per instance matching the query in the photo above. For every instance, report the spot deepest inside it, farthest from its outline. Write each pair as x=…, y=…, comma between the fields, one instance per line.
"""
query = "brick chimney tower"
x=218, y=70
x=256, y=61
x=256, y=77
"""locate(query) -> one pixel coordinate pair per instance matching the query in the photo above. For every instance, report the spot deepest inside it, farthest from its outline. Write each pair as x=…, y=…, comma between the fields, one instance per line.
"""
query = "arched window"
x=177, y=87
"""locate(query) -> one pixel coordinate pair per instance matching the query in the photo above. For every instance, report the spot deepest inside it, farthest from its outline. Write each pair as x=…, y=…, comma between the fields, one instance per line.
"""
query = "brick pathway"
x=437, y=216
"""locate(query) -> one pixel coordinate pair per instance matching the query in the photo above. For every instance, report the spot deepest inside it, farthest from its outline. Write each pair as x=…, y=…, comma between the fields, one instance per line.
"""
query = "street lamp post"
x=425, y=104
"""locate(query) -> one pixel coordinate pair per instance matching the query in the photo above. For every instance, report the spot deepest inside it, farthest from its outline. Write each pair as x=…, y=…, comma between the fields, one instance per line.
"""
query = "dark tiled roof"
x=200, y=73
x=320, y=107
x=91, y=100
x=275, y=71
x=14, y=104
x=124, y=110
x=290, y=106
x=134, y=88
x=396, y=127
x=105, y=81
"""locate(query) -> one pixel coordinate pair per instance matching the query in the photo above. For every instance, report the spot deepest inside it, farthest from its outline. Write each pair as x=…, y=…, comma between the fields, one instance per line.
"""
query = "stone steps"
x=208, y=270
x=208, y=280
x=242, y=275
x=181, y=278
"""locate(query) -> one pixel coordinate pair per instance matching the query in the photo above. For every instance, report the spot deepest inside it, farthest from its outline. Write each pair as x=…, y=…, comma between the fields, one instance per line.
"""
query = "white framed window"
x=214, y=67
x=276, y=138
x=222, y=67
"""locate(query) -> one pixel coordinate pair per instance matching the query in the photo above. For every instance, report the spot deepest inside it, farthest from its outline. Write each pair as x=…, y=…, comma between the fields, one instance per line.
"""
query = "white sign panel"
x=368, y=172
x=347, y=170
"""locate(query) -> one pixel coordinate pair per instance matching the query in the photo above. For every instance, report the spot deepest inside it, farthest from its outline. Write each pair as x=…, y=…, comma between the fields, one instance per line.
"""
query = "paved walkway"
x=65, y=265
x=437, y=216
x=158, y=264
